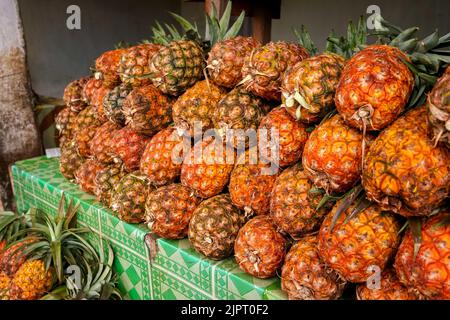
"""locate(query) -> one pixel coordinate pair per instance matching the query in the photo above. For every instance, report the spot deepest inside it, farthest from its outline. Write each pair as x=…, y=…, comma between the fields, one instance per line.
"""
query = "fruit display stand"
x=166, y=270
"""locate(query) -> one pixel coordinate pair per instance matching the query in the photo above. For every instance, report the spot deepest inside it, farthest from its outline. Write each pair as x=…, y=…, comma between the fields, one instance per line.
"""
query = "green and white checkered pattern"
x=176, y=272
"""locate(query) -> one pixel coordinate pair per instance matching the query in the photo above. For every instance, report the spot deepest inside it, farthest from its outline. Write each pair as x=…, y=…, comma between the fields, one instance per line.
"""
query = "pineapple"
x=333, y=155
x=65, y=124
x=134, y=64
x=438, y=107
x=403, y=171
x=239, y=110
x=86, y=118
x=5, y=287
x=105, y=182
x=13, y=257
x=101, y=142
x=127, y=147
x=294, y=201
x=90, y=89
x=353, y=243
x=97, y=104
x=83, y=138
x=207, y=167
x=308, y=87
x=70, y=160
x=73, y=94
x=251, y=183
x=390, y=288
x=214, y=226
x=226, y=58
x=196, y=107
x=163, y=157
x=31, y=281
x=259, y=248
x=169, y=209
x=177, y=67
x=264, y=68
x=107, y=67
x=292, y=136
x=85, y=175
x=128, y=199
x=113, y=103
x=424, y=267
x=147, y=111
x=374, y=88
x=305, y=277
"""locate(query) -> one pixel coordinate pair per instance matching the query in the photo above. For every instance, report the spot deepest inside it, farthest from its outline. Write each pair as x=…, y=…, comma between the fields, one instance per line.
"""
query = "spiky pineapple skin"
x=106, y=181
x=214, y=226
x=90, y=89
x=101, y=143
x=73, y=94
x=292, y=135
x=107, y=67
x=368, y=239
x=427, y=272
x=97, y=103
x=226, y=58
x=251, y=183
x=163, y=157
x=86, y=118
x=304, y=275
x=134, y=64
x=315, y=80
x=207, y=169
x=177, y=66
x=13, y=257
x=65, y=124
x=403, y=171
x=390, y=288
x=86, y=173
x=264, y=67
x=378, y=81
x=70, y=160
x=113, y=103
x=168, y=211
x=197, y=104
x=332, y=156
x=293, y=203
x=438, y=107
x=5, y=286
x=259, y=248
x=128, y=147
x=147, y=110
x=128, y=200
x=83, y=138
x=31, y=281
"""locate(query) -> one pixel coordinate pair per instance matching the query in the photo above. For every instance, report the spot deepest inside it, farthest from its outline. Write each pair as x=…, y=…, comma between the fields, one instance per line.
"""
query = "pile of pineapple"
x=362, y=176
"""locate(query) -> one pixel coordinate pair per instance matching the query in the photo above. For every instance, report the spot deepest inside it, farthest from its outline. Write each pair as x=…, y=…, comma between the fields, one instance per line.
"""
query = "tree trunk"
x=19, y=138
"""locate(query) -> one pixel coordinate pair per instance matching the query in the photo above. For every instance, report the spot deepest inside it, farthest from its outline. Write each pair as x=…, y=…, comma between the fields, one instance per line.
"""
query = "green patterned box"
x=174, y=271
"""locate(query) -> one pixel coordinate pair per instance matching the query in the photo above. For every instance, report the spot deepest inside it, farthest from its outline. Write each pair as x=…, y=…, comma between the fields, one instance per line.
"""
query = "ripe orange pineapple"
x=73, y=94
x=214, y=226
x=333, y=155
x=374, y=88
x=86, y=118
x=304, y=275
x=31, y=281
x=292, y=135
x=197, y=104
x=83, y=138
x=70, y=160
x=90, y=89
x=390, y=288
x=403, y=171
x=5, y=286
x=13, y=257
x=308, y=87
x=294, y=201
x=207, y=167
x=226, y=58
x=425, y=270
x=251, y=183
x=101, y=143
x=85, y=175
x=97, y=103
x=106, y=181
x=65, y=124
x=107, y=67
x=127, y=148
x=113, y=103
x=147, y=110
x=263, y=69
x=163, y=157
x=367, y=240
x=259, y=248
x=168, y=211
x=134, y=64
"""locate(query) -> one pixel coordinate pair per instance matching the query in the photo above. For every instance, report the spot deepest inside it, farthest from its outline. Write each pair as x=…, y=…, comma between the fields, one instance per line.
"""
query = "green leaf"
x=416, y=231
x=225, y=19
x=236, y=27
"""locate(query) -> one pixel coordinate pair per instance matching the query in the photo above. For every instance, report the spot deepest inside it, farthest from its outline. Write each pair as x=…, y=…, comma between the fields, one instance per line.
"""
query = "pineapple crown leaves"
x=355, y=195
x=347, y=46
x=305, y=40
x=219, y=27
x=11, y=223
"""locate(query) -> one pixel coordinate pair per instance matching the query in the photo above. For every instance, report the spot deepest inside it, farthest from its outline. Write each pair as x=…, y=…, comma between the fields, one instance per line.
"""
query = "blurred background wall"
x=57, y=55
